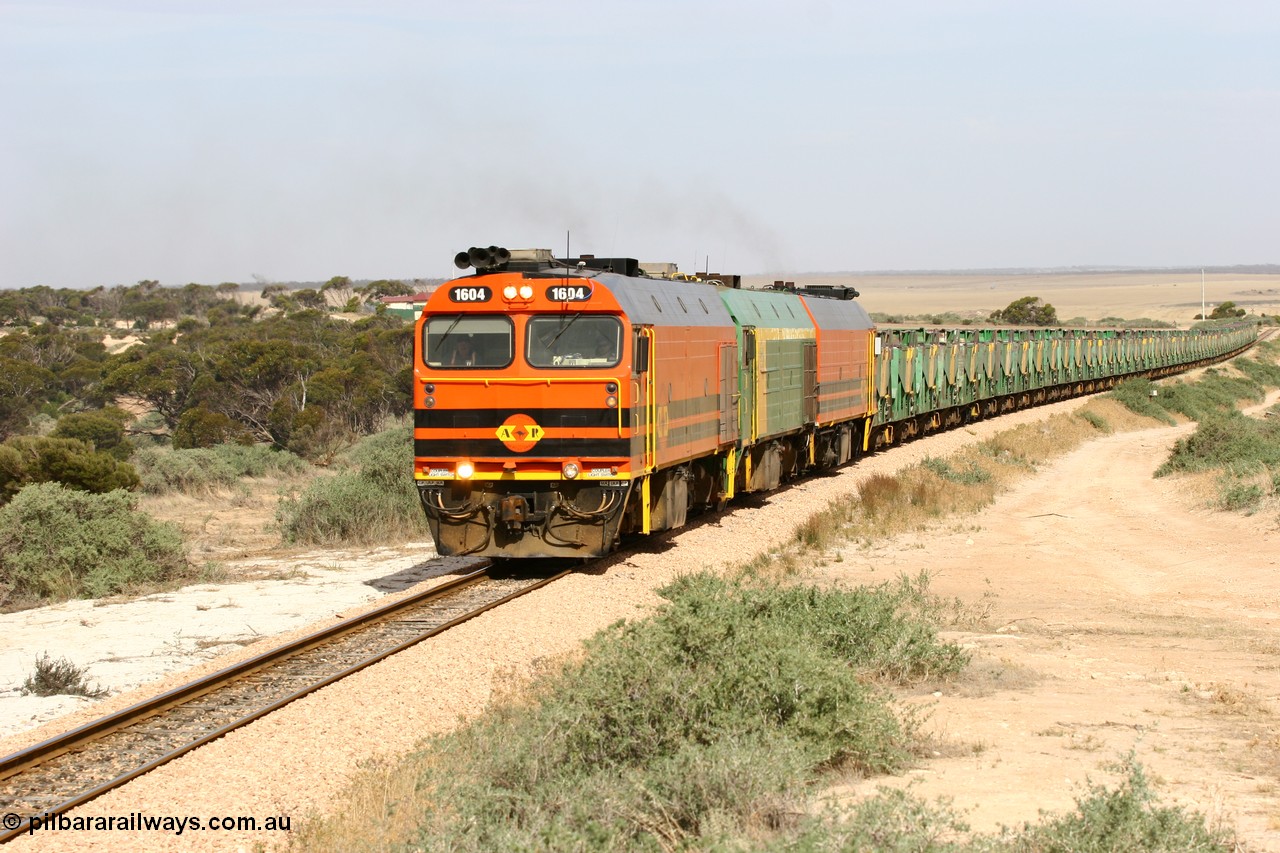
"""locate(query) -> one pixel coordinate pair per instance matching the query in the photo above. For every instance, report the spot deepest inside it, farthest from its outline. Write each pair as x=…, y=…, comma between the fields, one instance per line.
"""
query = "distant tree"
x=199, y=427
x=339, y=288
x=162, y=375
x=23, y=386
x=309, y=298
x=1226, y=311
x=1027, y=311
x=375, y=290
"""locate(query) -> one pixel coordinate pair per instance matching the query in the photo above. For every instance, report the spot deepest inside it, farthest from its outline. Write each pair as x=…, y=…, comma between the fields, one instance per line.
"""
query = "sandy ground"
x=1126, y=618
x=126, y=643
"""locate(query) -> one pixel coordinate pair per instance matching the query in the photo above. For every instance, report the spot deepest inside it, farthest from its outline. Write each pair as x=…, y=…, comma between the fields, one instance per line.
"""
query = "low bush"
x=200, y=471
x=1136, y=395
x=200, y=427
x=59, y=678
x=374, y=501
x=28, y=459
x=58, y=543
x=1213, y=394
x=971, y=474
x=704, y=720
x=1096, y=420
x=101, y=428
x=1127, y=817
x=1265, y=373
x=1226, y=441
x=1239, y=496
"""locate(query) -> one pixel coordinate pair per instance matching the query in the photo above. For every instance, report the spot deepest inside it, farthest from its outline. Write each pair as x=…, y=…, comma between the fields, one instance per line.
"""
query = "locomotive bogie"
x=555, y=518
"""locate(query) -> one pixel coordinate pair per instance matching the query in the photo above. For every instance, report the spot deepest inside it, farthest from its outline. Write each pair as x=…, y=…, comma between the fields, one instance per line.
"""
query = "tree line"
x=208, y=368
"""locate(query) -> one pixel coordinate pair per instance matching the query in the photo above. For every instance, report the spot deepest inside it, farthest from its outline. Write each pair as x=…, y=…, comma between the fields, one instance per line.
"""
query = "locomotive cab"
x=522, y=413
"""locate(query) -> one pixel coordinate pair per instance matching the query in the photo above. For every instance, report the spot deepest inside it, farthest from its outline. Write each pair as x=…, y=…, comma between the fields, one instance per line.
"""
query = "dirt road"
x=1125, y=617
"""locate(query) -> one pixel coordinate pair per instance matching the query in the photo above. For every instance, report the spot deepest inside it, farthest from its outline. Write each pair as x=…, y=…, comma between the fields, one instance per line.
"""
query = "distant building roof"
x=409, y=300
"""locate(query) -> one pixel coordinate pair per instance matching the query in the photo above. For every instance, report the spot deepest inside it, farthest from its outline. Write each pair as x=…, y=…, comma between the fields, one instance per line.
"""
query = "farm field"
x=1172, y=297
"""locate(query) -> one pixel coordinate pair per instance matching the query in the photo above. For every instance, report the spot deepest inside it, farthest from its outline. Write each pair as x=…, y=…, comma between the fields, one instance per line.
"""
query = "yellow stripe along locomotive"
x=559, y=404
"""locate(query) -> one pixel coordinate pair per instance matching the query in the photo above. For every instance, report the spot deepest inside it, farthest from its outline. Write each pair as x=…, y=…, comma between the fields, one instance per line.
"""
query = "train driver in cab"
x=464, y=354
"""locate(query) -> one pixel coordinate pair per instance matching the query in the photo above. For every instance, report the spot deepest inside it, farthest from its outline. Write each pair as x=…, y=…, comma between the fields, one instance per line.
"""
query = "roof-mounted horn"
x=482, y=258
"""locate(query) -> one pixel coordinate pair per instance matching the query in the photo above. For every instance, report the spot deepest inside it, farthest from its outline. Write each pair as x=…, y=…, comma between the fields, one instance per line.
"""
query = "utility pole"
x=1203, y=316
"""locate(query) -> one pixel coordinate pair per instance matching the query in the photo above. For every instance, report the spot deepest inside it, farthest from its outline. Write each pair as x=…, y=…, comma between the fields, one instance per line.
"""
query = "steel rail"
x=32, y=757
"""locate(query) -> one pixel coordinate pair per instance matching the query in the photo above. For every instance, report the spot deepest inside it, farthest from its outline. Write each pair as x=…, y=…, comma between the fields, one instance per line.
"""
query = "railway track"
x=71, y=769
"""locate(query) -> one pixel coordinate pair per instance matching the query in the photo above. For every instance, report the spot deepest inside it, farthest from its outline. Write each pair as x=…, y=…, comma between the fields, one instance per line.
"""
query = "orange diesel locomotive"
x=530, y=416
x=559, y=404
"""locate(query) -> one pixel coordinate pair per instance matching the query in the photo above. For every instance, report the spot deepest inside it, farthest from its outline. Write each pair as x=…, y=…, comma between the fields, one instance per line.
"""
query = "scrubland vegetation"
x=58, y=543
x=371, y=498
x=719, y=722
x=188, y=391
x=1244, y=452
x=202, y=471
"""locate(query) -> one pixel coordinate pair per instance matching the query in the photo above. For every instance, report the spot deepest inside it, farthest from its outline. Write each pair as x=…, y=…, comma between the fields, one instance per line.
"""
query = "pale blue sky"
x=219, y=141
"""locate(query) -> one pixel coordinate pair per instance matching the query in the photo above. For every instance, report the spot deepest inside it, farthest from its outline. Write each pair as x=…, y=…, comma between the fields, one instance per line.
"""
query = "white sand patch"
x=124, y=643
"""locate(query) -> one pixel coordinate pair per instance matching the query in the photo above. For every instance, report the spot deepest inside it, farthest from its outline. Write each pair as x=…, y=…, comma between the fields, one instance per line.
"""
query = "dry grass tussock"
x=920, y=495
x=1117, y=416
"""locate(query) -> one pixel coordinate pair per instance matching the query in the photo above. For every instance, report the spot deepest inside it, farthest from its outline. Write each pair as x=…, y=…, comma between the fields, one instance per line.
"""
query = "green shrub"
x=101, y=428
x=1126, y=818
x=1265, y=373
x=200, y=427
x=1097, y=421
x=260, y=460
x=892, y=821
x=58, y=543
x=690, y=727
x=1226, y=441
x=1123, y=819
x=971, y=475
x=375, y=501
x=28, y=459
x=1135, y=394
x=189, y=472
x=1213, y=394
x=386, y=457
x=351, y=509
x=201, y=471
x=1237, y=496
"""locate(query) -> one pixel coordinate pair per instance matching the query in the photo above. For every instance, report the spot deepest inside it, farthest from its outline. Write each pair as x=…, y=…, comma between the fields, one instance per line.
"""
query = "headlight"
x=509, y=292
x=610, y=401
x=570, y=470
x=526, y=292
x=465, y=470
